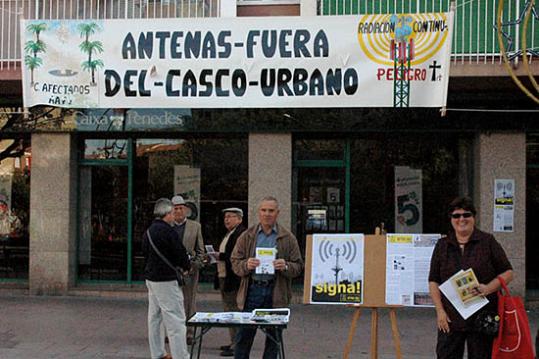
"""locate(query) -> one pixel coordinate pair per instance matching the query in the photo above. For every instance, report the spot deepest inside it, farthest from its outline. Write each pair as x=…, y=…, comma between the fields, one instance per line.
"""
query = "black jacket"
x=232, y=281
x=166, y=240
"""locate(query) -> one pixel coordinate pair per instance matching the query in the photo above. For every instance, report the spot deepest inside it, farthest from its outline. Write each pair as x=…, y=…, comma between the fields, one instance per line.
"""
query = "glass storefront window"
x=349, y=184
x=105, y=149
x=373, y=163
x=320, y=203
x=209, y=172
x=313, y=149
x=103, y=222
x=14, y=208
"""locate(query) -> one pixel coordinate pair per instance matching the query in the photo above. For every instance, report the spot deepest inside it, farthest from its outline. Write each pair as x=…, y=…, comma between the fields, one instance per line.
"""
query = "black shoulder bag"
x=179, y=275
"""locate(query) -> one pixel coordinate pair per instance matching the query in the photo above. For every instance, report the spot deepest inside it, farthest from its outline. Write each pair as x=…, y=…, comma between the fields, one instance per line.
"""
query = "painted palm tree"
x=32, y=63
x=87, y=29
x=90, y=48
x=37, y=29
x=33, y=48
x=92, y=65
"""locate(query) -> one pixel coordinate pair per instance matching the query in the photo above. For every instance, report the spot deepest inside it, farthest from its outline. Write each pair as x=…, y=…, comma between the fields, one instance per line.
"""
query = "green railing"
x=475, y=37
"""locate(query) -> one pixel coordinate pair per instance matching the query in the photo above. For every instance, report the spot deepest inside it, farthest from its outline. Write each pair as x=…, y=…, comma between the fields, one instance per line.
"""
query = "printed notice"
x=504, y=205
x=266, y=256
x=407, y=268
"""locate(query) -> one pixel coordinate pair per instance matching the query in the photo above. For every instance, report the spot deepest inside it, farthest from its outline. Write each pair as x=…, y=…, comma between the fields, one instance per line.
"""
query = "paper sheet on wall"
x=407, y=268
x=504, y=205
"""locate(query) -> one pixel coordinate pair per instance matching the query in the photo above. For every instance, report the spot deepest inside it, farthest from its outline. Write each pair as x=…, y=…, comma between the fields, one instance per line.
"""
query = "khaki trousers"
x=229, y=305
x=190, y=290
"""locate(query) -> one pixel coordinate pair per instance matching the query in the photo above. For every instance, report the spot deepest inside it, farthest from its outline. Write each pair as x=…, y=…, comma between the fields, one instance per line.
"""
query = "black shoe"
x=224, y=347
x=227, y=353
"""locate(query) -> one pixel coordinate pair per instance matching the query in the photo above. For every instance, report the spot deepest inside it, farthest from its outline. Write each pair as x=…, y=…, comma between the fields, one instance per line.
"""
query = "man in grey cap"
x=228, y=282
x=190, y=233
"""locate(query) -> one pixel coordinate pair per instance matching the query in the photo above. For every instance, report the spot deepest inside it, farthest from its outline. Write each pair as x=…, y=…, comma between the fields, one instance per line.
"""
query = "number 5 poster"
x=408, y=200
x=337, y=270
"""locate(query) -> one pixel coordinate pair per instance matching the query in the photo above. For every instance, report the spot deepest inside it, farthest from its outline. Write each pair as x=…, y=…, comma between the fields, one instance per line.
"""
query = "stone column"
x=503, y=156
x=270, y=173
x=52, y=213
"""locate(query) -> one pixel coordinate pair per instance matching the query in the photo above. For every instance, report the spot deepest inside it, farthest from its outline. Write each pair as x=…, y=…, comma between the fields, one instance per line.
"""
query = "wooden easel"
x=375, y=295
x=374, y=329
x=374, y=290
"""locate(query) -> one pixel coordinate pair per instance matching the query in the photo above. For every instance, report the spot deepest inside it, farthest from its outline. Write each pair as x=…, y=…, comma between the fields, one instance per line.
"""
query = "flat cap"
x=177, y=199
x=234, y=210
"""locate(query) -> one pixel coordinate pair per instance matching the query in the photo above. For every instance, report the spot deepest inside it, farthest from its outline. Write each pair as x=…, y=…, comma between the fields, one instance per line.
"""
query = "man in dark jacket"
x=228, y=281
x=164, y=295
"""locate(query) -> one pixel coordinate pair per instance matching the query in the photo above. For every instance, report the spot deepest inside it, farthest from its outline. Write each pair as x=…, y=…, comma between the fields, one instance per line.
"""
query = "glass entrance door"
x=320, y=202
x=321, y=188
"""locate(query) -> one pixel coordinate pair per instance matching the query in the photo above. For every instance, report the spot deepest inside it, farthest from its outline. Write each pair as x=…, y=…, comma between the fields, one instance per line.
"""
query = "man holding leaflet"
x=264, y=290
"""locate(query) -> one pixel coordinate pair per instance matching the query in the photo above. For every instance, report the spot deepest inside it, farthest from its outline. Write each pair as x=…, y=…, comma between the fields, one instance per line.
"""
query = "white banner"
x=323, y=61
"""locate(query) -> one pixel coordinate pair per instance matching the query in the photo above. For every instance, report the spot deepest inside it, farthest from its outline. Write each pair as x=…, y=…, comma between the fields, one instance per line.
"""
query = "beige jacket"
x=287, y=249
x=194, y=243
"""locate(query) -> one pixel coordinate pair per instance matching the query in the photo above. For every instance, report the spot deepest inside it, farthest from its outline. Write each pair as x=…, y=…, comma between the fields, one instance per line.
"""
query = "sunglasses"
x=463, y=215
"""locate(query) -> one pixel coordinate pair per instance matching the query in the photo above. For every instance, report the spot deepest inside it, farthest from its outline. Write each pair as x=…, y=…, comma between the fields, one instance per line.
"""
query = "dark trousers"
x=451, y=345
x=257, y=297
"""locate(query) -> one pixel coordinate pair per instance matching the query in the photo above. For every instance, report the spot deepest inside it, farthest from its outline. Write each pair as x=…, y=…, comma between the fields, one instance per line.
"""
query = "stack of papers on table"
x=221, y=317
x=271, y=315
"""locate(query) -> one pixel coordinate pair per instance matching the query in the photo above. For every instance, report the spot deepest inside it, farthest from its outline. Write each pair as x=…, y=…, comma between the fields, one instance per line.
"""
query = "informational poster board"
x=504, y=205
x=407, y=268
x=382, y=286
x=337, y=269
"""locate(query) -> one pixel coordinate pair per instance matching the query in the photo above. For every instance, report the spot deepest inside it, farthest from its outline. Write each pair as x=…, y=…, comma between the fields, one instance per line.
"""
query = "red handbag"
x=514, y=339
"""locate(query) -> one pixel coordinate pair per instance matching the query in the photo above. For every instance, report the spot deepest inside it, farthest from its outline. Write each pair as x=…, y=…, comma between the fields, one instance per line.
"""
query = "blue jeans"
x=257, y=297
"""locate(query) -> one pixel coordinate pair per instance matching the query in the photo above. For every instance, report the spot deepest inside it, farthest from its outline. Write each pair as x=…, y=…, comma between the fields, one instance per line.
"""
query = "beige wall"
x=503, y=156
x=52, y=214
x=270, y=173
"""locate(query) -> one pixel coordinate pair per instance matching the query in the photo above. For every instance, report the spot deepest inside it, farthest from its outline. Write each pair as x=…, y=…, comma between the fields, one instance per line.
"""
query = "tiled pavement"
x=79, y=327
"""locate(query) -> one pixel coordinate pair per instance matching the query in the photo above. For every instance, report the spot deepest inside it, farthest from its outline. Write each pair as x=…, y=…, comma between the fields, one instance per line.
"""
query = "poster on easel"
x=337, y=270
x=407, y=268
